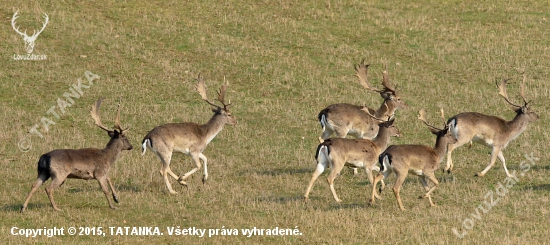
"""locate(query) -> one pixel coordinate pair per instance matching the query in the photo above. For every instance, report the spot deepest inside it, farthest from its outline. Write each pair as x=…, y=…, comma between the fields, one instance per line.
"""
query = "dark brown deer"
x=188, y=138
x=88, y=163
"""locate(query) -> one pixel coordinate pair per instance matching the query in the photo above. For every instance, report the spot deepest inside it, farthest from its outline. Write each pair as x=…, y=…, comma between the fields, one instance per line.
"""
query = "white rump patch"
x=453, y=128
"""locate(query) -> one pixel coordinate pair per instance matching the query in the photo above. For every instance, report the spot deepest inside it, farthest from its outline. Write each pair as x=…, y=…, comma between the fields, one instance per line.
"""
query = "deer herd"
x=370, y=129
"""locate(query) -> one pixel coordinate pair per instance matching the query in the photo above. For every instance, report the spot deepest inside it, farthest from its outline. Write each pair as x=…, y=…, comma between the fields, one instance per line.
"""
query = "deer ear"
x=215, y=109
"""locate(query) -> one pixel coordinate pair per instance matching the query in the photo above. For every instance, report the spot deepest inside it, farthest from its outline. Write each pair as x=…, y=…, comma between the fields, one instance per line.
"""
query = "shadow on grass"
x=280, y=199
x=541, y=187
x=339, y=206
x=17, y=207
x=128, y=188
x=118, y=188
x=284, y=171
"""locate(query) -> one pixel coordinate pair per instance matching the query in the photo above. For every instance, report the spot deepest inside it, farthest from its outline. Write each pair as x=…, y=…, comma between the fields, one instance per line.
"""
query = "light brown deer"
x=88, y=163
x=491, y=131
x=346, y=119
x=188, y=138
x=359, y=153
x=419, y=160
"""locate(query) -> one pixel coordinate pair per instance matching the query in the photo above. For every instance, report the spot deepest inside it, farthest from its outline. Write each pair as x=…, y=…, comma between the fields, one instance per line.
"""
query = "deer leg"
x=494, y=154
x=336, y=168
x=379, y=177
x=371, y=180
x=204, y=160
x=501, y=158
x=433, y=179
x=397, y=186
x=56, y=182
x=115, y=195
x=196, y=159
x=41, y=179
x=449, y=166
x=103, y=184
x=165, y=169
x=318, y=171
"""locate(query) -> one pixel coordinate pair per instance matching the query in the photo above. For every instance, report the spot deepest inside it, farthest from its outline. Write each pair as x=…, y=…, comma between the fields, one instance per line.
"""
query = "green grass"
x=285, y=61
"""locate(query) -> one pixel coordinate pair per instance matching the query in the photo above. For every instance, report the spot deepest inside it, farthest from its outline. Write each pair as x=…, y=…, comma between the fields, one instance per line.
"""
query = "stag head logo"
x=29, y=40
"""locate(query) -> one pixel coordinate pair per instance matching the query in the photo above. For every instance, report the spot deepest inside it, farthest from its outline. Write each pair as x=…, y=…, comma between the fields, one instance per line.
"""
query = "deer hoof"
x=116, y=199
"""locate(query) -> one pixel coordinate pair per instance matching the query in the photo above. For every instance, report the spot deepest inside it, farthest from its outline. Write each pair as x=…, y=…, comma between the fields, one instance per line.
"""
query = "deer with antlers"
x=491, y=131
x=188, y=138
x=359, y=153
x=346, y=119
x=88, y=163
x=419, y=160
x=29, y=40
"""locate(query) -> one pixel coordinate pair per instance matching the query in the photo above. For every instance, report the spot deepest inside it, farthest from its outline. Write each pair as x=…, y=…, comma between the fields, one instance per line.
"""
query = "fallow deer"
x=491, y=131
x=346, y=119
x=188, y=138
x=88, y=163
x=419, y=160
x=359, y=153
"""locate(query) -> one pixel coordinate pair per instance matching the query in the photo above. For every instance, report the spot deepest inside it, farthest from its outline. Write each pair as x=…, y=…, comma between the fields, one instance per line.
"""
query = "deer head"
x=117, y=132
x=519, y=109
x=224, y=109
x=389, y=93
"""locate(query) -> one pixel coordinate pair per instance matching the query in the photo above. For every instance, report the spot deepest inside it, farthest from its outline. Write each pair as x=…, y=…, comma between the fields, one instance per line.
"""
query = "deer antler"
x=365, y=109
x=361, y=73
x=502, y=91
x=422, y=118
x=443, y=117
x=386, y=81
x=117, y=119
x=201, y=89
x=221, y=94
x=522, y=89
x=95, y=115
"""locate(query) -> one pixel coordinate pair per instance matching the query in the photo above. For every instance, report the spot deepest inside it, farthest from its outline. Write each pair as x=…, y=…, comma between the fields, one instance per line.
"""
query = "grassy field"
x=284, y=61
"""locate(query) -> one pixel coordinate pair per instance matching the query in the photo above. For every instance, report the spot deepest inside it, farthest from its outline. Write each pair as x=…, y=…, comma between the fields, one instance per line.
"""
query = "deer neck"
x=386, y=109
x=440, y=148
x=112, y=150
x=383, y=138
x=213, y=127
x=518, y=124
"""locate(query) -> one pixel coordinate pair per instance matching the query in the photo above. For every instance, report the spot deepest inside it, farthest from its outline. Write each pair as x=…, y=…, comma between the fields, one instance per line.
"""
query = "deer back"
x=351, y=117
